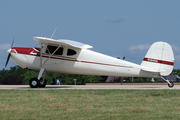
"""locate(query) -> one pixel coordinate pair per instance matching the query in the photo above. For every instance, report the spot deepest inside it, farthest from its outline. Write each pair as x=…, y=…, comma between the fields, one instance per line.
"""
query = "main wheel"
x=34, y=83
x=53, y=81
x=171, y=85
x=42, y=85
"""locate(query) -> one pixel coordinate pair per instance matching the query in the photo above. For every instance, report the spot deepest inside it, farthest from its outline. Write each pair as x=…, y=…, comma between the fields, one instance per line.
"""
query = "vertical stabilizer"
x=159, y=58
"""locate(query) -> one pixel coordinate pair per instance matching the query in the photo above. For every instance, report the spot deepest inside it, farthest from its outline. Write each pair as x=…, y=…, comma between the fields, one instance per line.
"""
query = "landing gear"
x=34, y=83
x=53, y=81
x=170, y=83
x=56, y=81
x=42, y=83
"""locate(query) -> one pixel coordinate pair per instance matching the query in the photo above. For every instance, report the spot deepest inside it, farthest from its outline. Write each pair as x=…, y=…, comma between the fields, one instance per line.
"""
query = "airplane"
x=67, y=56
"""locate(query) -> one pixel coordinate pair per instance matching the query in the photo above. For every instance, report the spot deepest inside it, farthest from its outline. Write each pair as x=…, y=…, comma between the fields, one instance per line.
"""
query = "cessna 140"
x=66, y=56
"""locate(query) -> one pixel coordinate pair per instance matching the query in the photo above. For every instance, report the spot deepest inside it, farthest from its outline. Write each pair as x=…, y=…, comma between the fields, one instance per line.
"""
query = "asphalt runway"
x=26, y=87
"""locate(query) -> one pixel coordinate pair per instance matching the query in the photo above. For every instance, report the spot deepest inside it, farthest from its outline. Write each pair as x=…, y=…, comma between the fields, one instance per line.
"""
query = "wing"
x=63, y=42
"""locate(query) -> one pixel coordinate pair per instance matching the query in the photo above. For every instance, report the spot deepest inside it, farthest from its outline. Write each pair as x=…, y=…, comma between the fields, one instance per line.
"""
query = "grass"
x=90, y=104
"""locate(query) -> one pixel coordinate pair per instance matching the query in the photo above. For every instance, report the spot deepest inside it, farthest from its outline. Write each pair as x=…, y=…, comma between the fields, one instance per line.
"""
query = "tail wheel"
x=171, y=84
x=34, y=83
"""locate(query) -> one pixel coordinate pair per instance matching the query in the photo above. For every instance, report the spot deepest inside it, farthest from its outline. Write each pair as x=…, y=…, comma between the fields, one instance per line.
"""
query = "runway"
x=48, y=87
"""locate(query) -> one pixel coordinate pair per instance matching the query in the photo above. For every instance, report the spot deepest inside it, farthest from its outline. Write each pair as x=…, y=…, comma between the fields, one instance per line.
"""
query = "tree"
x=14, y=76
x=176, y=72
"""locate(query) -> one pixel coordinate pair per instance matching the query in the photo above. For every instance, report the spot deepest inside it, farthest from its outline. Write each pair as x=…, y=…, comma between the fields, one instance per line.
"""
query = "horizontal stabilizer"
x=149, y=70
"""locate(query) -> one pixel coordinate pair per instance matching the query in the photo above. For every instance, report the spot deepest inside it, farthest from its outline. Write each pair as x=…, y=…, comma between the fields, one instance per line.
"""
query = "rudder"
x=159, y=58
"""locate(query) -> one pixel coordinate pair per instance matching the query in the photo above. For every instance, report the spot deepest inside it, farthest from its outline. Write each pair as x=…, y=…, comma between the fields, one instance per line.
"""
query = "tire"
x=43, y=85
x=34, y=83
x=171, y=85
x=53, y=81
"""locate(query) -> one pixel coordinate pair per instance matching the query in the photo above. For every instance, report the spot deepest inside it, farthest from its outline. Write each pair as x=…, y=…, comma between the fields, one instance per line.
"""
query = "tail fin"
x=159, y=58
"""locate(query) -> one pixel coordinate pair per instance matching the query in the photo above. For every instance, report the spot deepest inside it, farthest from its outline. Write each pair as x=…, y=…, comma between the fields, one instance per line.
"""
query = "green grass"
x=90, y=104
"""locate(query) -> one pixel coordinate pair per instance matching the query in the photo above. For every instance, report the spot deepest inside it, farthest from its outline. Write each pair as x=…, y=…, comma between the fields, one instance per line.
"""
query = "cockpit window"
x=71, y=52
x=53, y=48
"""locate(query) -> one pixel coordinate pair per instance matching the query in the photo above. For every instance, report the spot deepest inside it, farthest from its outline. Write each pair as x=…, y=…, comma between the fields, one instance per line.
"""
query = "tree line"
x=19, y=76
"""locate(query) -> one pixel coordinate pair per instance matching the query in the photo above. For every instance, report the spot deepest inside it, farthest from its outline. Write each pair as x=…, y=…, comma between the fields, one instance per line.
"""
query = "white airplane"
x=66, y=56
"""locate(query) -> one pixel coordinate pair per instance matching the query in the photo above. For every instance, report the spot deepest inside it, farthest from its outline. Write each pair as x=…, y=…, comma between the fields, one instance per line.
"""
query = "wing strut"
x=42, y=70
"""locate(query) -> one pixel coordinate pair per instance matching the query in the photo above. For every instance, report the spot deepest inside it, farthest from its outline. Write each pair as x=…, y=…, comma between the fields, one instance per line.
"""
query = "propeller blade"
x=9, y=55
x=8, y=59
x=12, y=44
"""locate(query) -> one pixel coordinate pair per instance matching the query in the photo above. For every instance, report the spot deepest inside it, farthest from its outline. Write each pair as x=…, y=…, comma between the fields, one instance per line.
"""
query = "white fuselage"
x=84, y=62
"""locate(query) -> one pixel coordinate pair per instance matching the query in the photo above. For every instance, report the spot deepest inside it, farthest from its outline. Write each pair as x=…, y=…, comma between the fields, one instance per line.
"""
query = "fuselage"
x=77, y=61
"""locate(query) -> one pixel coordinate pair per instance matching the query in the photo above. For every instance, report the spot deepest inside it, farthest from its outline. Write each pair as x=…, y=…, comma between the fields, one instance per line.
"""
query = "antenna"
x=53, y=32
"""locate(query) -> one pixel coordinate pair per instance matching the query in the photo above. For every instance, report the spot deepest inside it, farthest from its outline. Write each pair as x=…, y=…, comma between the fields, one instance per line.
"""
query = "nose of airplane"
x=16, y=54
x=9, y=51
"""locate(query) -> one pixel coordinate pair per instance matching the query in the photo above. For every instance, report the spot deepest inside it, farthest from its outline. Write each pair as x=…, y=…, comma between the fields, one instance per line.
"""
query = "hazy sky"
x=114, y=27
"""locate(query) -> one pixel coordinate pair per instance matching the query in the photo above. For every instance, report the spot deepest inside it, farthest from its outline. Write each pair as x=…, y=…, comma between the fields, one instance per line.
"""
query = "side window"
x=71, y=52
x=53, y=48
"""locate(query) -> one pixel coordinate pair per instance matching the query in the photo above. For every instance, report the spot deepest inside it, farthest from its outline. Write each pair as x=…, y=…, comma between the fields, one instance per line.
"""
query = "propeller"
x=9, y=54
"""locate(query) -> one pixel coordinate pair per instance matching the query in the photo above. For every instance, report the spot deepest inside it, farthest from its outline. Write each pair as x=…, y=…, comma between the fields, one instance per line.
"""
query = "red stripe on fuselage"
x=23, y=50
x=106, y=64
x=158, y=61
x=27, y=51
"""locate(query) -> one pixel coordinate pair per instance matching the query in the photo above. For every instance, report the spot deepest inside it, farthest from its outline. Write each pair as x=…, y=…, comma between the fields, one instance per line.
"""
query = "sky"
x=116, y=28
